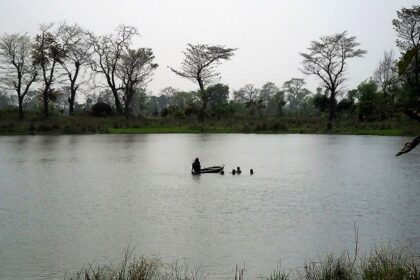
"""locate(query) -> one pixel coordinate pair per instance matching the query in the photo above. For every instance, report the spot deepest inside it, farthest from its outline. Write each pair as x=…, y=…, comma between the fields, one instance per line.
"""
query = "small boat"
x=212, y=169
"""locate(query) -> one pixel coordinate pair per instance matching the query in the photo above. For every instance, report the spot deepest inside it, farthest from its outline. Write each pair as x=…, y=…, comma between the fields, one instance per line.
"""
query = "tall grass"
x=380, y=264
x=140, y=268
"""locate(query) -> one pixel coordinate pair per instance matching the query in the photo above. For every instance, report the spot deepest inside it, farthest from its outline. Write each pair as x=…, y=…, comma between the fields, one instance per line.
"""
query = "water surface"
x=69, y=200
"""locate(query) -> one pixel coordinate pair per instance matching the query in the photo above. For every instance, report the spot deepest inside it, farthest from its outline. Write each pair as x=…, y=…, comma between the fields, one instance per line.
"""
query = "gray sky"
x=269, y=33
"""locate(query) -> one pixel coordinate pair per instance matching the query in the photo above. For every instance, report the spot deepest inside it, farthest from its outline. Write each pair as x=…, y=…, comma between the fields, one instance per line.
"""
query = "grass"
x=381, y=264
x=85, y=124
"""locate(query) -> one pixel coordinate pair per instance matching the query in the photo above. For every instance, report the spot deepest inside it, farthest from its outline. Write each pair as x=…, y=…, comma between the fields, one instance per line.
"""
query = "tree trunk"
x=73, y=88
x=202, y=94
x=20, y=98
x=71, y=102
x=128, y=97
x=45, y=100
x=118, y=104
x=332, y=107
x=127, y=108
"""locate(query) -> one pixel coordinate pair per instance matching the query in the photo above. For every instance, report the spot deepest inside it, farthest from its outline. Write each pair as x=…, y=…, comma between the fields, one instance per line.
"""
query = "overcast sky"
x=269, y=34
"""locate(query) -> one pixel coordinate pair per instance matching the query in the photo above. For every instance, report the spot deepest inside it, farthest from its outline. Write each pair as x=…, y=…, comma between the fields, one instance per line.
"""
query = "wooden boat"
x=212, y=169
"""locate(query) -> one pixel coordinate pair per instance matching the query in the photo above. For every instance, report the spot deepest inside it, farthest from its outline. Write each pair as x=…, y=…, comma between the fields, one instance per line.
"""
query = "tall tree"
x=407, y=26
x=199, y=65
x=47, y=53
x=77, y=48
x=327, y=59
x=17, y=68
x=108, y=50
x=134, y=70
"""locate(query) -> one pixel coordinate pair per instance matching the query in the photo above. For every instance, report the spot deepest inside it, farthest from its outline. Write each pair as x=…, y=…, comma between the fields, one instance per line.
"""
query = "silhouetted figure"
x=251, y=171
x=196, y=166
x=233, y=171
x=222, y=172
x=238, y=170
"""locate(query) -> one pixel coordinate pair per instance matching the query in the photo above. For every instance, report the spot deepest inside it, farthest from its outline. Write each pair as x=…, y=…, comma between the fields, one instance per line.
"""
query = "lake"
x=66, y=201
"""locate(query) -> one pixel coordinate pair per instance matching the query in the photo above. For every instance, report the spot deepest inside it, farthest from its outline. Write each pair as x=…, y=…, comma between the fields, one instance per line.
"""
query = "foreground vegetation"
x=86, y=124
x=381, y=264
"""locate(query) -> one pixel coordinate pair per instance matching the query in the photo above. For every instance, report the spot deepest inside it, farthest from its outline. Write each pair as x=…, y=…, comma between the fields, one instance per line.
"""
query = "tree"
x=17, y=68
x=108, y=50
x=134, y=70
x=387, y=81
x=320, y=100
x=5, y=100
x=407, y=26
x=249, y=95
x=199, y=65
x=47, y=53
x=327, y=59
x=77, y=49
x=218, y=95
x=271, y=98
x=295, y=93
x=386, y=76
x=369, y=101
x=165, y=96
x=246, y=94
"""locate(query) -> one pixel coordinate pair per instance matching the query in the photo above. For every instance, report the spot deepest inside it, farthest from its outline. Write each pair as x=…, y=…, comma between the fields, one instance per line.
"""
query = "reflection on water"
x=69, y=200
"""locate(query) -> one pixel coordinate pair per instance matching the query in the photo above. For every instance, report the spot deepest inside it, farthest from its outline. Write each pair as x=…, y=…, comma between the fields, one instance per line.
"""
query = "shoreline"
x=88, y=125
x=146, y=131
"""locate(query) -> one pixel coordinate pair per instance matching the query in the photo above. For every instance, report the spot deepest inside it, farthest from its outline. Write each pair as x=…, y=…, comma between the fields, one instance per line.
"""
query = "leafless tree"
x=327, y=59
x=17, y=68
x=108, y=50
x=47, y=53
x=386, y=75
x=78, y=51
x=295, y=93
x=199, y=65
x=247, y=94
x=134, y=70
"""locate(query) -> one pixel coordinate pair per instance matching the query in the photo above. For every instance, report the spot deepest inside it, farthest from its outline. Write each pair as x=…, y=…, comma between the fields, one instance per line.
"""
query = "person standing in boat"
x=196, y=166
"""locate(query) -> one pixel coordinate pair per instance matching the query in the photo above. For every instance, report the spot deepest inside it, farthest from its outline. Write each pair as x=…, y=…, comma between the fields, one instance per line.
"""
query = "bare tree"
x=77, y=48
x=295, y=93
x=108, y=50
x=327, y=59
x=247, y=94
x=134, y=70
x=385, y=75
x=199, y=65
x=17, y=69
x=47, y=53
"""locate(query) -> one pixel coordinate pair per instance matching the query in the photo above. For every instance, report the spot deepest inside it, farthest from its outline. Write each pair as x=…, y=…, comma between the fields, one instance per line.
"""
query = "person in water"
x=196, y=166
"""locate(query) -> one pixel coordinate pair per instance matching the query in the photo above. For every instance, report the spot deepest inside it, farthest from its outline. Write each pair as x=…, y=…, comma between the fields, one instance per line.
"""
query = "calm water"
x=69, y=200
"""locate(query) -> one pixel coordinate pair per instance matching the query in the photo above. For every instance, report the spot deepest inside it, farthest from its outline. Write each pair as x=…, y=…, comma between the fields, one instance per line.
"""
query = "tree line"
x=50, y=70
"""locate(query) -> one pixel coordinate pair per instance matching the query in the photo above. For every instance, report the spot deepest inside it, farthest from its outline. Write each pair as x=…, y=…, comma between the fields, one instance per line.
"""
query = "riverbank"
x=85, y=124
x=384, y=264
